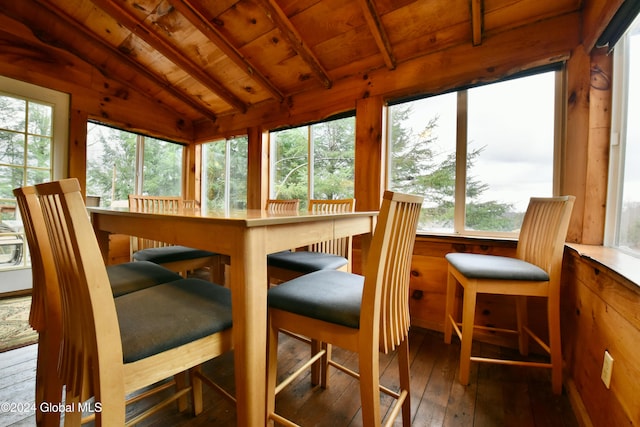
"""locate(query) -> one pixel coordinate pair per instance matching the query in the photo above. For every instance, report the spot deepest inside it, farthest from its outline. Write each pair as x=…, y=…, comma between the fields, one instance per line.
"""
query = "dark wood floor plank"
x=496, y=395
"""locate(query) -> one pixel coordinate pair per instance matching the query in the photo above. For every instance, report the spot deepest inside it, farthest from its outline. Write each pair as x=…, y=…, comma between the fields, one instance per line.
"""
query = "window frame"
x=618, y=141
x=559, y=133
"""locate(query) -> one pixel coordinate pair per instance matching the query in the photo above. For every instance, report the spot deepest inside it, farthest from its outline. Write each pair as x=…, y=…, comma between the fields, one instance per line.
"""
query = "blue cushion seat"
x=134, y=276
x=481, y=266
x=167, y=254
x=329, y=295
x=305, y=262
x=167, y=316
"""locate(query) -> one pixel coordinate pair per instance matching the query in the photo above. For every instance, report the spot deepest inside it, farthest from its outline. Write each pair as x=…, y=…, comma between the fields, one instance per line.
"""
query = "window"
x=224, y=177
x=623, y=214
x=314, y=162
x=33, y=135
x=120, y=163
x=477, y=155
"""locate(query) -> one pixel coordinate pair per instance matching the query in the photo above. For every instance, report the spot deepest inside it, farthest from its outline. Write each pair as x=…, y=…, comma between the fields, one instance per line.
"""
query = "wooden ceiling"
x=207, y=59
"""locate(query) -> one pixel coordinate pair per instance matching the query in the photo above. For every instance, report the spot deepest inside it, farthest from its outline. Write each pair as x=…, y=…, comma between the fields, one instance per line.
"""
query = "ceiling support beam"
x=143, y=31
x=67, y=34
x=379, y=33
x=195, y=15
x=476, y=21
x=288, y=31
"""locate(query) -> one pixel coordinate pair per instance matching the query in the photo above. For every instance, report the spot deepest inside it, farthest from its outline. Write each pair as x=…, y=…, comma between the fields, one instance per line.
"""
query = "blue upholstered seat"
x=168, y=254
x=329, y=295
x=480, y=266
x=181, y=312
x=305, y=262
x=134, y=276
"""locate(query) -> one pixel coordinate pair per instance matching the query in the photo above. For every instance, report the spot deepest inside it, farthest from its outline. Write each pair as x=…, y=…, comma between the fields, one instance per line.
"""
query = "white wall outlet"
x=607, y=367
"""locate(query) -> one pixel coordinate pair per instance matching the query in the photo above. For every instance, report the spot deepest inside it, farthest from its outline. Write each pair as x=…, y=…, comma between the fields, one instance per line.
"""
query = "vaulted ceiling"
x=207, y=59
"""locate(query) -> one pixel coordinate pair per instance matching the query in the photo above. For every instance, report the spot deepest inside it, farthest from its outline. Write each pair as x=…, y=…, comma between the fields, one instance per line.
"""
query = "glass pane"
x=290, y=164
x=12, y=148
x=333, y=159
x=629, y=233
x=510, y=150
x=10, y=178
x=13, y=113
x=38, y=176
x=39, y=151
x=40, y=119
x=214, y=171
x=111, y=160
x=422, y=138
x=238, y=172
x=162, y=175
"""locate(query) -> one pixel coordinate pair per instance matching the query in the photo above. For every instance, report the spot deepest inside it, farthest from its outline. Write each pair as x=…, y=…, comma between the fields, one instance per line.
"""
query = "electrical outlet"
x=607, y=367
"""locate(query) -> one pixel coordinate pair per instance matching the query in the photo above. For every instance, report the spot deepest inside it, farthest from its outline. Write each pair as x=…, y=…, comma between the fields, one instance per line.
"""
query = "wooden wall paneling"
x=600, y=313
x=370, y=154
x=258, y=168
x=26, y=58
x=77, y=146
x=596, y=15
x=574, y=167
x=600, y=107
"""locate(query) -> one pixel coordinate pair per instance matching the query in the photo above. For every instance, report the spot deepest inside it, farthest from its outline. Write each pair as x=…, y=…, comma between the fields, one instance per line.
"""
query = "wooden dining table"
x=247, y=237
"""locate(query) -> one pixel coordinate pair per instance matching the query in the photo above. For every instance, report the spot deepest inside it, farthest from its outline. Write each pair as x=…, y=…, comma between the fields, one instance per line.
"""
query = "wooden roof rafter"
x=476, y=21
x=85, y=45
x=193, y=13
x=288, y=31
x=146, y=33
x=379, y=33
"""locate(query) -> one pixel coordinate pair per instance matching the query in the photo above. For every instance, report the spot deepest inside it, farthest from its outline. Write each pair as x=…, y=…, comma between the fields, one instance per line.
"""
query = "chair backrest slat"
x=543, y=233
x=288, y=206
x=341, y=247
x=154, y=204
x=385, y=302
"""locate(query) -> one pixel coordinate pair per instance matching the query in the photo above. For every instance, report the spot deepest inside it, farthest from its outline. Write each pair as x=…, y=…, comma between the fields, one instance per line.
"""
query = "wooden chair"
x=535, y=272
x=277, y=206
x=177, y=258
x=361, y=314
x=332, y=254
x=112, y=347
x=45, y=316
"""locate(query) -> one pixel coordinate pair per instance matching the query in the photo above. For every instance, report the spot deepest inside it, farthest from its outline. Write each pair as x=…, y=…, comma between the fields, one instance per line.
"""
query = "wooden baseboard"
x=577, y=405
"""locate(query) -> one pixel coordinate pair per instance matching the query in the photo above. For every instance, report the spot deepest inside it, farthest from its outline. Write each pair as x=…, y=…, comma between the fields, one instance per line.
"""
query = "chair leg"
x=449, y=307
x=553, y=314
x=468, y=315
x=48, y=384
x=405, y=380
x=272, y=368
x=196, y=390
x=324, y=379
x=73, y=414
x=522, y=315
x=316, y=368
x=370, y=385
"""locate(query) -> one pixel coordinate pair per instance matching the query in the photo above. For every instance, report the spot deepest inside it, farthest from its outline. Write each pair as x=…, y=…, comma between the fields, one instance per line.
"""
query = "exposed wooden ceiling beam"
x=476, y=21
x=82, y=43
x=379, y=33
x=146, y=33
x=286, y=28
x=195, y=15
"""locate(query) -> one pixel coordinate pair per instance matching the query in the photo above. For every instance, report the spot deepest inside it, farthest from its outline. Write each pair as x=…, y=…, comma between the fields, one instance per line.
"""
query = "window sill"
x=612, y=259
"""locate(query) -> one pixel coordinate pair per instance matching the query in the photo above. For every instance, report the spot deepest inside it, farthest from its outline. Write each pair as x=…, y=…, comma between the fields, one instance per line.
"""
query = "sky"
x=513, y=120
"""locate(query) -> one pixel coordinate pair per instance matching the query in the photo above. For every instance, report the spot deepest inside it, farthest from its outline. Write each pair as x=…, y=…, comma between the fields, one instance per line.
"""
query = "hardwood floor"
x=497, y=396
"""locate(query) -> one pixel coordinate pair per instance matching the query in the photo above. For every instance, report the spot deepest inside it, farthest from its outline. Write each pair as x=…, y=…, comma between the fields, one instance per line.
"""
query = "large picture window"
x=313, y=162
x=623, y=215
x=224, y=176
x=120, y=163
x=477, y=155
